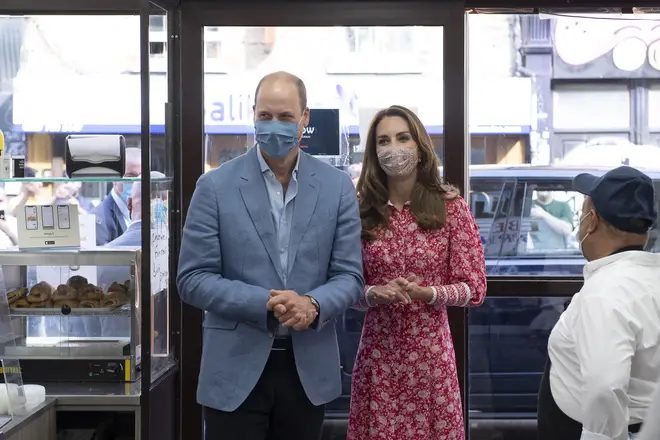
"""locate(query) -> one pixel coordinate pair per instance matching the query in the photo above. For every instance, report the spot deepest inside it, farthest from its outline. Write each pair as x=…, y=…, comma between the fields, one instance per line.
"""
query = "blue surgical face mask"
x=276, y=138
x=126, y=193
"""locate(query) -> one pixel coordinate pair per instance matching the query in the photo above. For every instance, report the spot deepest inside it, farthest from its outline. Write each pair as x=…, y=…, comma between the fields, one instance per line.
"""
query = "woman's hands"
x=394, y=291
x=401, y=289
x=417, y=292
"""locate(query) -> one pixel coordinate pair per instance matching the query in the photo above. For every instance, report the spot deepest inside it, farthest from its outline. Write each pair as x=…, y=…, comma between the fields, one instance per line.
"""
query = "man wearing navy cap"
x=604, y=352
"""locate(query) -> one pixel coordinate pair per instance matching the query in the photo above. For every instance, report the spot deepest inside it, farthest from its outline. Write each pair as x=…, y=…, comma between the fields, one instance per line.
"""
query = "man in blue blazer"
x=119, y=326
x=112, y=215
x=271, y=252
x=132, y=237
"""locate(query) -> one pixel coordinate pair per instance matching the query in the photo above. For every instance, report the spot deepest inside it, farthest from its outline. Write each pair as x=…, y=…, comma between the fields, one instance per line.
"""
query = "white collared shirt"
x=651, y=428
x=123, y=208
x=605, y=348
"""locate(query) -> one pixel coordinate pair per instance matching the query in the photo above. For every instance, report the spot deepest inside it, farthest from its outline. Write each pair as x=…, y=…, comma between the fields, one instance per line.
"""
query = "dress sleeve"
x=363, y=304
x=466, y=285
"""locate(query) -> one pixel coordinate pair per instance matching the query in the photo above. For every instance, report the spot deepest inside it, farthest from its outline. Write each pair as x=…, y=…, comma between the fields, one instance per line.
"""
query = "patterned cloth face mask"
x=397, y=161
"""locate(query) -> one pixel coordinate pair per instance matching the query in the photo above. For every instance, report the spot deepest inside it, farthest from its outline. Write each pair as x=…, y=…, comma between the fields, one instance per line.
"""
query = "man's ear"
x=129, y=203
x=306, y=117
x=595, y=222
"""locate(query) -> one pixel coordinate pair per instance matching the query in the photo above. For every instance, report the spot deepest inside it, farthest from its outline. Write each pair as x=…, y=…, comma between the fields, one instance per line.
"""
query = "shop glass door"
x=350, y=72
x=358, y=71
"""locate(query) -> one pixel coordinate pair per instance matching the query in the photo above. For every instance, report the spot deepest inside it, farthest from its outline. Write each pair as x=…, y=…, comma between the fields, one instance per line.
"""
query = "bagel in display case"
x=82, y=326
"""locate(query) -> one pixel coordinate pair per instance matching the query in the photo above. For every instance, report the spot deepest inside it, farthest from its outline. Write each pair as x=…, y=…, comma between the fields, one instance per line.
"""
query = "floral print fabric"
x=405, y=385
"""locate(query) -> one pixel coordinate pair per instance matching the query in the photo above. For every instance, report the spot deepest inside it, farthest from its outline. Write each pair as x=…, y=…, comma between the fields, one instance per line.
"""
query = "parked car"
x=508, y=336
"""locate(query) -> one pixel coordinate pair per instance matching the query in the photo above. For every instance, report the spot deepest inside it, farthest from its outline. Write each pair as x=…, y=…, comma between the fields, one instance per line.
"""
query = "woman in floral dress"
x=422, y=252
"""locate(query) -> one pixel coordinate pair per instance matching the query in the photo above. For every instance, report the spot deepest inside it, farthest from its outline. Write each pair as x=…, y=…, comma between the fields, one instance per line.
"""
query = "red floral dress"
x=405, y=385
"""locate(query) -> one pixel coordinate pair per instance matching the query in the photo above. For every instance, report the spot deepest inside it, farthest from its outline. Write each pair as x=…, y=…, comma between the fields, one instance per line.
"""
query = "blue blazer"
x=228, y=264
x=108, y=274
x=109, y=221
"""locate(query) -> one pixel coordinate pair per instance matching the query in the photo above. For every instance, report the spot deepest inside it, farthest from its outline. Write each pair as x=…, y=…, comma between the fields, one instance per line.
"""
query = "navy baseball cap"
x=624, y=197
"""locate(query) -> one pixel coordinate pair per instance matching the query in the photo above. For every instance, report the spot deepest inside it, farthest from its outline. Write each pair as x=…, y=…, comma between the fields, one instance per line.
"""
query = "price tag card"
x=48, y=226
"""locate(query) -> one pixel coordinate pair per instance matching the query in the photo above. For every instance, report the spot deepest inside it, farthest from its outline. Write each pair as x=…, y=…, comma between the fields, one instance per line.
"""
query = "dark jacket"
x=109, y=221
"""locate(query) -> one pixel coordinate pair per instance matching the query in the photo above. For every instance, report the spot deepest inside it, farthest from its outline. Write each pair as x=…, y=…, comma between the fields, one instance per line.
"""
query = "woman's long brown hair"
x=429, y=192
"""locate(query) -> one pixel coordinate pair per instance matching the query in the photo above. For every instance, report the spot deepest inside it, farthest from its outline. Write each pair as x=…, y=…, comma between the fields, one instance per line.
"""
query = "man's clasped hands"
x=292, y=309
x=297, y=311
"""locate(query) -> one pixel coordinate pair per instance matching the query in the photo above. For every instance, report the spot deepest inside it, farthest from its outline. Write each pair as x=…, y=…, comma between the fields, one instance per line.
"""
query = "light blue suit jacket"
x=228, y=265
x=109, y=274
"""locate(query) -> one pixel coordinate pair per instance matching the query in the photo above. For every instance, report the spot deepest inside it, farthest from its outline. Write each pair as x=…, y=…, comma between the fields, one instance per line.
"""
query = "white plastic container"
x=34, y=396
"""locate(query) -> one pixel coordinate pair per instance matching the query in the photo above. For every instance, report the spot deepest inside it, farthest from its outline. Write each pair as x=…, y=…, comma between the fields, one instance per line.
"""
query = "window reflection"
x=508, y=351
x=532, y=213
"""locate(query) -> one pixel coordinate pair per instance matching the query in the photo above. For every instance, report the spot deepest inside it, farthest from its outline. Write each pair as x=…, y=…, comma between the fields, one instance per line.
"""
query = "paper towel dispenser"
x=95, y=155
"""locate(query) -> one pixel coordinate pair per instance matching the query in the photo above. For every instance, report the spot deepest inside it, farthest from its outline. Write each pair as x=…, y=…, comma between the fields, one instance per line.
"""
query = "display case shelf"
x=81, y=179
x=74, y=257
x=124, y=310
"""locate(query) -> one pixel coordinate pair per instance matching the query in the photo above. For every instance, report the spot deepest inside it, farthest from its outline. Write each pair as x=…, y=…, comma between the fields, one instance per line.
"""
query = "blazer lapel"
x=306, y=199
x=117, y=217
x=255, y=196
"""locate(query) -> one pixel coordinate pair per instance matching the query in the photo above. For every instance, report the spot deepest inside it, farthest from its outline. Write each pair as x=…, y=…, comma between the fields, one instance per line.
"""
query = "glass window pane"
x=654, y=108
x=591, y=107
x=508, y=350
x=160, y=193
x=54, y=83
x=347, y=74
x=567, y=128
x=591, y=102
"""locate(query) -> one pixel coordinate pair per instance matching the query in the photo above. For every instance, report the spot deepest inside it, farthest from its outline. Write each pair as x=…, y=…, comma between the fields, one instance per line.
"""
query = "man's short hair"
x=133, y=152
x=136, y=190
x=300, y=85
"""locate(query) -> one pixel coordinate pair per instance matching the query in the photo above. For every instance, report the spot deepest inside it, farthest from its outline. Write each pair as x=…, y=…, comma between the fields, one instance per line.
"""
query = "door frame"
x=195, y=15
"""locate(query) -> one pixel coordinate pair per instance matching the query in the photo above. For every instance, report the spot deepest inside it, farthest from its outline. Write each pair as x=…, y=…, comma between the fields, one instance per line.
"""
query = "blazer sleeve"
x=467, y=267
x=345, y=283
x=199, y=281
x=363, y=303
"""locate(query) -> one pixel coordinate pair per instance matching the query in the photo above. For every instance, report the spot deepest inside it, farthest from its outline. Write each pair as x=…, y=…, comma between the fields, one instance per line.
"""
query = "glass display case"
x=105, y=340
x=75, y=313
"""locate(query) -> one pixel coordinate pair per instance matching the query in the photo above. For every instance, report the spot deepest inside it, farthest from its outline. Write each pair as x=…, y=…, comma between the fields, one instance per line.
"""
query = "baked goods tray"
x=124, y=310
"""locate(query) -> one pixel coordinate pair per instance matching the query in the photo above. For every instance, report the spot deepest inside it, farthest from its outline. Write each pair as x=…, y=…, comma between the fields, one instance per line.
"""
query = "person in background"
x=271, y=253
x=112, y=216
x=132, y=237
x=9, y=239
x=553, y=223
x=422, y=253
x=30, y=193
x=604, y=352
x=354, y=171
x=8, y=225
x=67, y=194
